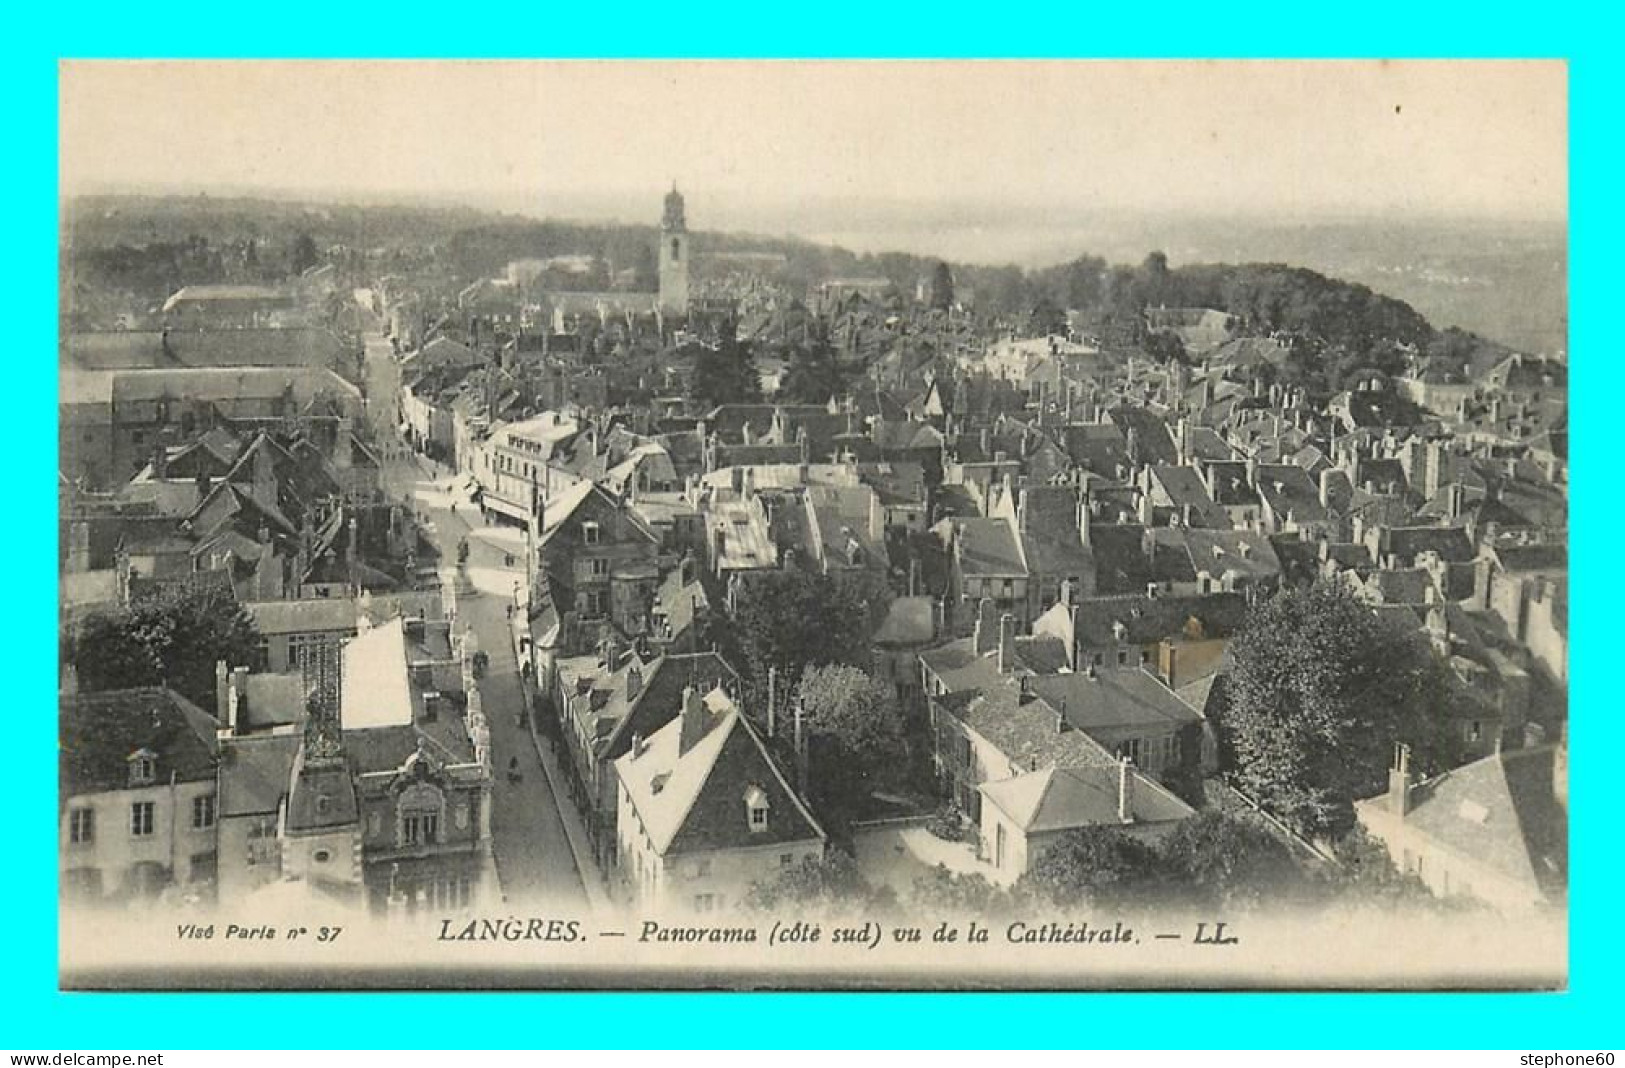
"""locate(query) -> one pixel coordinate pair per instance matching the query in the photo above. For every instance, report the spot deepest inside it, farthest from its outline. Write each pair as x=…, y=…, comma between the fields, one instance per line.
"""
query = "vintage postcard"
x=890, y=525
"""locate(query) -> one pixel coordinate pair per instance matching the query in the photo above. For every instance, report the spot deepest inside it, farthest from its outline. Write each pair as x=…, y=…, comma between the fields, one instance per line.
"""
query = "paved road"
x=528, y=838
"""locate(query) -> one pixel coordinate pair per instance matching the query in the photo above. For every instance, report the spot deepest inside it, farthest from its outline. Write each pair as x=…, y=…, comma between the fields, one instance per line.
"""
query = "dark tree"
x=814, y=376
x=831, y=883
x=941, y=891
x=173, y=638
x=643, y=264
x=305, y=255
x=1046, y=319
x=794, y=619
x=1097, y=867
x=1165, y=347
x=725, y=374
x=1322, y=689
x=1219, y=860
x=856, y=738
x=942, y=286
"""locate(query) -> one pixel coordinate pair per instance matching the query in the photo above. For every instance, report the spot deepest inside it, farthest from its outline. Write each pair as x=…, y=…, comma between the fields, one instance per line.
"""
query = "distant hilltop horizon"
x=1504, y=278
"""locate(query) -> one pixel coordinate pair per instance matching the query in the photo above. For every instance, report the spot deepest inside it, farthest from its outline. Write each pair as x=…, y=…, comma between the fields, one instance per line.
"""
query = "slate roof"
x=319, y=614
x=99, y=732
x=267, y=347
x=1451, y=543
x=1288, y=488
x=988, y=547
x=958, y=666
x=661, y=698
x=1050, y=538
x=1185, y=488
x=1401, y=587
x=1247, y=554
x=1115, y=700
x=694, y=801
x=1098, y=447
x=255, y=773
x=909, y=621
x=1120, y=563
x=1205, y=444
x=1150, y=619
x=1501, y=812
x=229, y=383
x=1056, y=799
x=1228, y=484
x=1535, y=557
x=1153, y=442
x=1030, y=733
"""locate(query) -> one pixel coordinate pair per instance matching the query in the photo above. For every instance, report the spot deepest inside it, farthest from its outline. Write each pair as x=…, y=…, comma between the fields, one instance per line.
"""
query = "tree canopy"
x=305, y=254
x=1224, y=861
x=173, y=638
x=725, y=374
x=814, y=375
x=1321, y=691
x=793, y=619
x=830, y=883
x=1100, y=867
x=856, y=741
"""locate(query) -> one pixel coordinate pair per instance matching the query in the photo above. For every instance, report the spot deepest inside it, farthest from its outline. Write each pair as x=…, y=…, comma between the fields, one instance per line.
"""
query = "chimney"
x=694, y=720
x=1399, y=782
x=983, y=639
x=938, y=611
x=772, y=700
x=1021, y=510
x=634, y=682
x=237, y=697
x=1454, y=495
x=800, y=741
x=222, y=691
x=1125, y=790
x=637, y=745
x=1083, y=517
x=1007, y=643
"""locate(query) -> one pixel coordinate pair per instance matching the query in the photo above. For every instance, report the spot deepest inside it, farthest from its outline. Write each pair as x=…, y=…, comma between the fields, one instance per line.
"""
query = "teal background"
x=34, y=1015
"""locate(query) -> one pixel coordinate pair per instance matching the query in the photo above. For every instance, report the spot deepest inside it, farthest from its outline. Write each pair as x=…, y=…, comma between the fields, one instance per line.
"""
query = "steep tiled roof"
x=988, y=547
x=1185, y=488
x=101, y=731
x=1114, y=700
x=695, y=800
x=1055, y=799
x=1028, y=731
x=254, y=773
x=1150, y=619
x=1502, y=812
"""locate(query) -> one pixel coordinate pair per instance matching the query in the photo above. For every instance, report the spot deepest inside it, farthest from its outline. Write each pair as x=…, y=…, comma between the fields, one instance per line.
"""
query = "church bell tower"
x=674, y=253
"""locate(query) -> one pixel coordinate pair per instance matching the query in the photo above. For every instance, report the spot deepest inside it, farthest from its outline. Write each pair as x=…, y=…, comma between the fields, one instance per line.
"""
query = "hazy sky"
x=1463, y=138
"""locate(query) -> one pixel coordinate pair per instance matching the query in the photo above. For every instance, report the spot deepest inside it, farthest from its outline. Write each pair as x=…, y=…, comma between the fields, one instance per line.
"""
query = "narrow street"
x=532, y=851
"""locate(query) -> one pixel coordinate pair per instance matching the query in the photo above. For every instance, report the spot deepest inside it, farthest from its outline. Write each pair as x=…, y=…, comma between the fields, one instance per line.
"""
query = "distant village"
x=705, y=592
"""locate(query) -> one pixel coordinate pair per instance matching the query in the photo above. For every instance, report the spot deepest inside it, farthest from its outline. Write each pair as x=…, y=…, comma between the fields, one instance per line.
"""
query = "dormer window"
x=143, y=767
x=756, y=809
